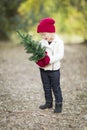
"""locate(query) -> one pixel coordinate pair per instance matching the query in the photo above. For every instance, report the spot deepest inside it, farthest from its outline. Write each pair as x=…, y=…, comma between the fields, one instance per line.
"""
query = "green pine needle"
x=32, y=47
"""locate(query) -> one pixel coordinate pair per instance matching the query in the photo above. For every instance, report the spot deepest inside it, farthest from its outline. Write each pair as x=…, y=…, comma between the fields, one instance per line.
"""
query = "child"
x=50, y=64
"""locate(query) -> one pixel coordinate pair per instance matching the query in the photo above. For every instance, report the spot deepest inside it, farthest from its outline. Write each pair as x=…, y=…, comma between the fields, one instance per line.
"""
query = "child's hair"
x=46, y=25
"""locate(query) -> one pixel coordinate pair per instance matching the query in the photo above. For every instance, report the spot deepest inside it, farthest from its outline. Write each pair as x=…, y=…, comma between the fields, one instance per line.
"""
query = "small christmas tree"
x=32, y=47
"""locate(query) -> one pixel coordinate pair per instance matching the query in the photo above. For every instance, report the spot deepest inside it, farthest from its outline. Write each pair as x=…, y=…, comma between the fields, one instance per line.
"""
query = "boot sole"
x=45, y=108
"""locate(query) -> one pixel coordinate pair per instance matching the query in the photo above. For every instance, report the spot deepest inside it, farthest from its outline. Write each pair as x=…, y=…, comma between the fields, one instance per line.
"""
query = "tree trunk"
x=85, y=41
x=3, y=36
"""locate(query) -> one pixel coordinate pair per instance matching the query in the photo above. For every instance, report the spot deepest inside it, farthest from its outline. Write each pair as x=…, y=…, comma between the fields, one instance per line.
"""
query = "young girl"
x=50, y=64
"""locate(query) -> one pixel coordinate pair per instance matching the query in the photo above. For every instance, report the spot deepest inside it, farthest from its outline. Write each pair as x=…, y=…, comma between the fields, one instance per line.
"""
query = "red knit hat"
x=46, y=25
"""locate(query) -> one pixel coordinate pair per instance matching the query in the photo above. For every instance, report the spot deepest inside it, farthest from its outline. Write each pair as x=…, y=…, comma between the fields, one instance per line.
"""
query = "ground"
x=21, y=91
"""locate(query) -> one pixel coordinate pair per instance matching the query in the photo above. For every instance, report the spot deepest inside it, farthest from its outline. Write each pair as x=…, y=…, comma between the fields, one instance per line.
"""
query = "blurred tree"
x=8, y=17
x=71, y=16
x=33, y=10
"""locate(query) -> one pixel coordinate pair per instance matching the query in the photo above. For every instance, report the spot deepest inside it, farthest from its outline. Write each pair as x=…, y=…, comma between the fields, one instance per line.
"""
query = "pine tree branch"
x=33, y=47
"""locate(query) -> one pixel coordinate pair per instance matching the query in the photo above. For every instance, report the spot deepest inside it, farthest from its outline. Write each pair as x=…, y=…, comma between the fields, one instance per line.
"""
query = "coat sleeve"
x=58, y=53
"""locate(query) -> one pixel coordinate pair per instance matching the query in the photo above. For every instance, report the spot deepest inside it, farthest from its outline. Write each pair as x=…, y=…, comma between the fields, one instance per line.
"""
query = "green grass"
x=83, y=95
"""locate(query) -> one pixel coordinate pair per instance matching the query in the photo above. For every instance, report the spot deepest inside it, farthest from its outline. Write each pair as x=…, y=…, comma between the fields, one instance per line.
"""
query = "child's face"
x=47, y=36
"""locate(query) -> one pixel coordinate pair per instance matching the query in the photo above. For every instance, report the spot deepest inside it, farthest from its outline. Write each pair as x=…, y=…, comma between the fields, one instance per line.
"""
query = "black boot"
x=58, y=108
x=46, y=105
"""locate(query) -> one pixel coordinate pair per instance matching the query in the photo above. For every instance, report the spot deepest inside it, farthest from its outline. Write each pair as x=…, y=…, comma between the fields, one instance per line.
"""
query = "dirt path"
x=21, y=91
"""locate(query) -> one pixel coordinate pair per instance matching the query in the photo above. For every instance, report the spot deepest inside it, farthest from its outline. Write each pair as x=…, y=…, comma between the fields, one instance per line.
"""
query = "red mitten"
x=44, y=61
x=40, y=63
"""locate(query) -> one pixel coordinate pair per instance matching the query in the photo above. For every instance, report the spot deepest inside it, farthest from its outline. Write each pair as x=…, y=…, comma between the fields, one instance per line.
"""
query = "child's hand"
x=40, y=63
x=44, y=61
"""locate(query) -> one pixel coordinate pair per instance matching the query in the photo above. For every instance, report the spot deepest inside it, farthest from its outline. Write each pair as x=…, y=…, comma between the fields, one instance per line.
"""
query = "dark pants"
x=51, y=82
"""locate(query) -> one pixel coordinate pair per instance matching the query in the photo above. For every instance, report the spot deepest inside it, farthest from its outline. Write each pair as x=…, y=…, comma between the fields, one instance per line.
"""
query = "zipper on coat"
x=52, y=63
